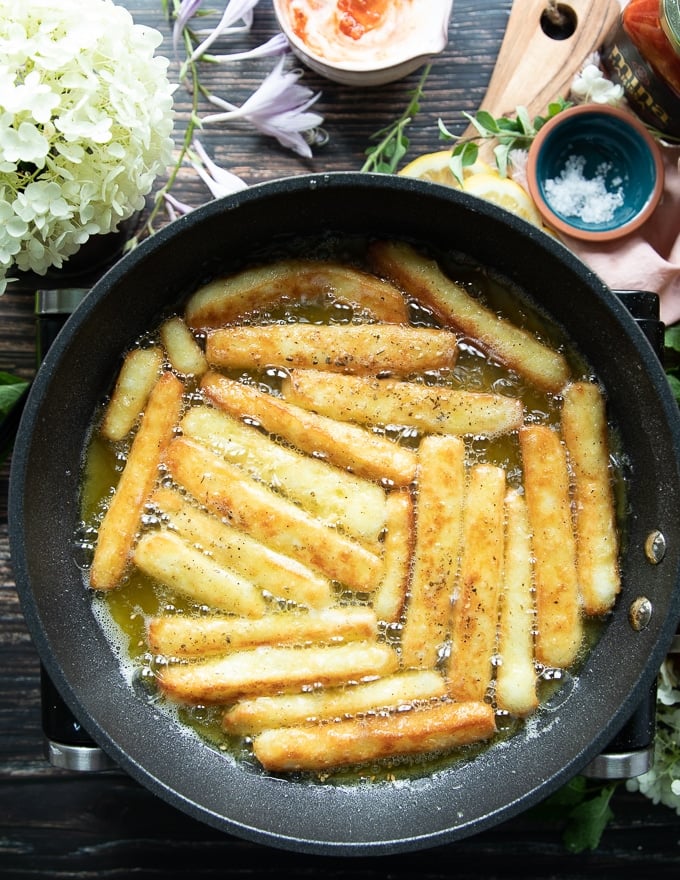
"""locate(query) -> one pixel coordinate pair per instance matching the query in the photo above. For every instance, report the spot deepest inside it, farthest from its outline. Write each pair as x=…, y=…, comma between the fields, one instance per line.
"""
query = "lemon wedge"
x=504, y=192
x=435, y=168
x=479, y=179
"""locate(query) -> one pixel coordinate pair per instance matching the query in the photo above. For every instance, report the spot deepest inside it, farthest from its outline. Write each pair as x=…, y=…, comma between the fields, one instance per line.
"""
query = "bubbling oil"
x=125, y=612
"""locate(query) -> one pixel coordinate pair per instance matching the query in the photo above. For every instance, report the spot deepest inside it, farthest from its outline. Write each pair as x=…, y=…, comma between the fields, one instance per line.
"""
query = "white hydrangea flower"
x=661, y=784
x=83, y=135
x=591, y=85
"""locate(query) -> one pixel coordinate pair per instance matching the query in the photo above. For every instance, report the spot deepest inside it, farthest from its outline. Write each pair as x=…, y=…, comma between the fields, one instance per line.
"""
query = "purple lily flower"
x=277, y=108
x=174, y=207
x=187, y=10
x=219, y=181
x=235, y=10
x=277, y=45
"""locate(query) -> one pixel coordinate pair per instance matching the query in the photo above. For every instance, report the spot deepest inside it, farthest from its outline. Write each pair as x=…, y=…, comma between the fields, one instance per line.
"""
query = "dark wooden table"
x=55, y=823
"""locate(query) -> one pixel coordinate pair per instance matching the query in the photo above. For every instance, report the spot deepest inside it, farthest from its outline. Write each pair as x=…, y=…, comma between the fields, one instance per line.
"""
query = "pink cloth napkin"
x=648, y=259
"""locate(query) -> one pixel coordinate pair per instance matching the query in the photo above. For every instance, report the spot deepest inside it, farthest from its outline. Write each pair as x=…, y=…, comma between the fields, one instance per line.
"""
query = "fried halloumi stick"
x=268, y=669
x=184, y=353
x=271, y=519
x=181, y=635
x=169, y=559
x=347, y=446
x=509, y=344
x=475, y=609
x=431, y=409
x=516, y=672
x=136, y=378
x=121, y=521
x=439, y=507
x=346, y=348
x=584, y=427
x=437, y=728
x=276, y=573
x=285, y=710
x=389, y=598
x=224, y=300
x=546, y=485
x=351, y=503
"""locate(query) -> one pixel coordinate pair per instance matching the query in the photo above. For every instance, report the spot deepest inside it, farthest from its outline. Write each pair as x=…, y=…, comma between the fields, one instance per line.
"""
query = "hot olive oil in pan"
x=126, y=610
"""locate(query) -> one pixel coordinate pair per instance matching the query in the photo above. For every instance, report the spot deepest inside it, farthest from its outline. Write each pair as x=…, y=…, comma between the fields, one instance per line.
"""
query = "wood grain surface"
x=56, y=824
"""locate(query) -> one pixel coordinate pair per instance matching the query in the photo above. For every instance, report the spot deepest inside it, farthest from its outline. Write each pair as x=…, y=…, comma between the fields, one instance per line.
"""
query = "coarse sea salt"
x=572, y=194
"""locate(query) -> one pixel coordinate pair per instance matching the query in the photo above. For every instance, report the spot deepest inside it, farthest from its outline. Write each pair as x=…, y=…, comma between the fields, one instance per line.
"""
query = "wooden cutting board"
x=533, y=68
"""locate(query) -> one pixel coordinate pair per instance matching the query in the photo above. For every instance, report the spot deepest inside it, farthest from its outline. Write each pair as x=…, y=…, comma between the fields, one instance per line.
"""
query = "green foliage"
x=582, y=806
x=11, y=389
x=510, y=133
x=672, y=358
x=392, y=141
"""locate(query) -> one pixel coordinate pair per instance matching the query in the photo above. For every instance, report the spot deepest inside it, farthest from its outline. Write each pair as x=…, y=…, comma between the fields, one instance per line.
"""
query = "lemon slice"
x=504, y=192
x=435, y=168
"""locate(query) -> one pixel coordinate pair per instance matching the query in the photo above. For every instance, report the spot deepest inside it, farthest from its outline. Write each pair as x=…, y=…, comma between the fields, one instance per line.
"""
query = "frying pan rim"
x=338, y=180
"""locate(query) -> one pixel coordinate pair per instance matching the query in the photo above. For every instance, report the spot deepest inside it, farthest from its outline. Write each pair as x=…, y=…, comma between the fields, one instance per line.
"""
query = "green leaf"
x=672, y=337
x=582, y=808
x=444, y=133
x=462, y=156
x=502, y=153
x=484, y=122
x=588, y=821
x=525, y=121
x=674, y=382
x=11, y=389
x=512, y=126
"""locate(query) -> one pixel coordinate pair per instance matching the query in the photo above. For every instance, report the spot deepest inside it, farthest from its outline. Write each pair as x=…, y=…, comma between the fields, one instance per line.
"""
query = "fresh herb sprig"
x=510, y=133
x=392, y=140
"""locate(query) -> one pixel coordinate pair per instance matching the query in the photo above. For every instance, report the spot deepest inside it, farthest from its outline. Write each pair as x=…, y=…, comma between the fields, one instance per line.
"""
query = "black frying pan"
x=571, y=730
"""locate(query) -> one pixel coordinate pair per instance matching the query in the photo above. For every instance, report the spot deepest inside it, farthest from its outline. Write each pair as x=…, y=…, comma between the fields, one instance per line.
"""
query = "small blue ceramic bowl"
x=595, y=172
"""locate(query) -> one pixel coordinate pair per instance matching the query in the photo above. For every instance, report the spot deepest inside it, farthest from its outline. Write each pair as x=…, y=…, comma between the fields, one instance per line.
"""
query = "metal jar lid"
x=670, y=22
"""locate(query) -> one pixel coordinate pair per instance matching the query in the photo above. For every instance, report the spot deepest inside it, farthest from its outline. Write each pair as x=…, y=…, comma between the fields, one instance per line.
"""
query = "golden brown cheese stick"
x=439, y=508
x=268, y=669
x=507, y=343
x=351, y=503
x=227, y=299
x=269, y=518
x=516, y=672
x=584, y=427
x=546, y=485
x=389, y=598
x=181, y=635
x=431, y=409
x=166, y=558
x=136, y=378
x=346, y=348
x=184, y=353
x=475, y=608
x=437, y=728
x=276, y=573
x=285, y=710
x=347, y=446
x=283, y=577
x=121, y=521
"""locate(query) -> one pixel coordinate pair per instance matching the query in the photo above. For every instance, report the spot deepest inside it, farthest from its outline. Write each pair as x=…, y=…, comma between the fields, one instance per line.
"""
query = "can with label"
x=643, y=55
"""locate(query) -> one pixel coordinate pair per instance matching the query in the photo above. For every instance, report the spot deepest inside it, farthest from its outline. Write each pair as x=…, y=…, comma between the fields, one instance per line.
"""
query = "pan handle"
x=67, y=745
x=631, y=752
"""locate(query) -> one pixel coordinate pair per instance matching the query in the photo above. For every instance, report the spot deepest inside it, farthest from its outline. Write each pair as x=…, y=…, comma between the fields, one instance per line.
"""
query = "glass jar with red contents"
x=643, y=55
